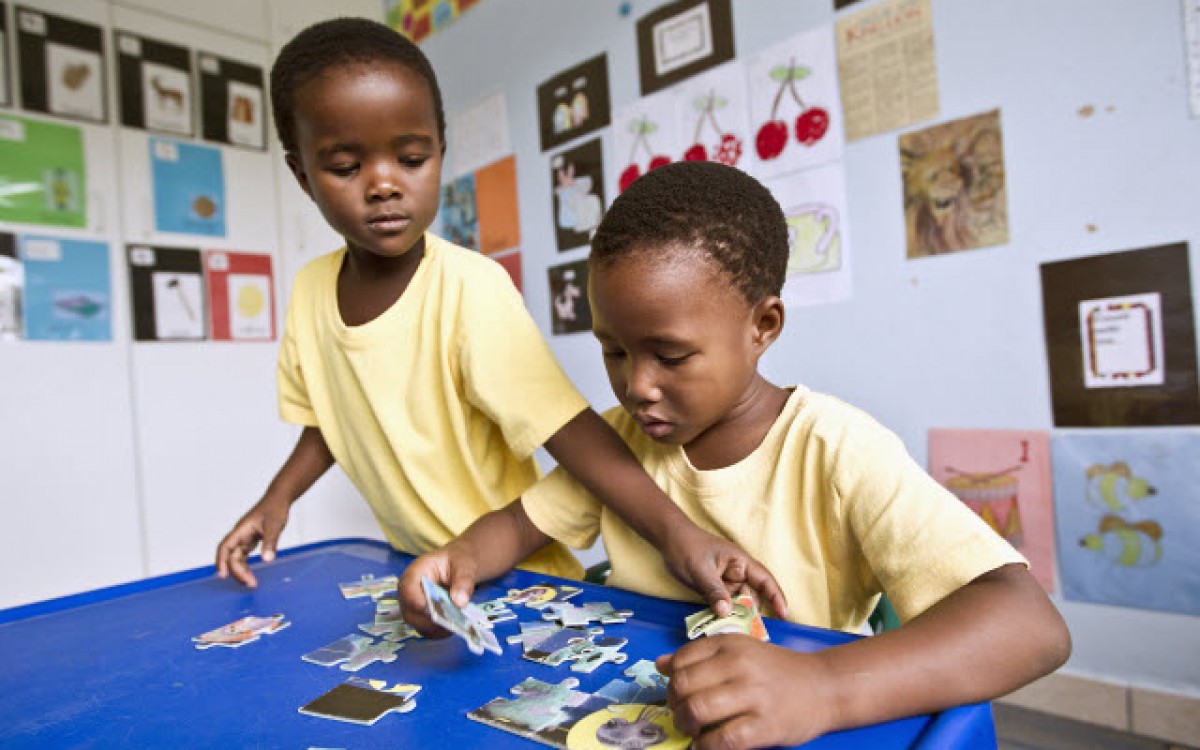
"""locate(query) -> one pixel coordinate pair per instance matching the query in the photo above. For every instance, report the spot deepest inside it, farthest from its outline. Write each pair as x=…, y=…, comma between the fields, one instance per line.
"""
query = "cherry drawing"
x=641, y=128
x=728, y=149
x=811, y=124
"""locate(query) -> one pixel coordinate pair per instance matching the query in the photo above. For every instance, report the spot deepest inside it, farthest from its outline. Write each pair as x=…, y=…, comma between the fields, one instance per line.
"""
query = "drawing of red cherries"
x=641, y=129
x=729, y=148
x=811, y=124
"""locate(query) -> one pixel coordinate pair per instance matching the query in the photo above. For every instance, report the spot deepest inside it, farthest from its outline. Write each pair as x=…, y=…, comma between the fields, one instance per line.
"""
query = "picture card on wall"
x=1004, y=476
x=62, y=65
x=232, y=102
x=574, y=102
x=479, y=134
x=241, y=294
x=12, y=282
x=954, y=186
x=577, y=179
x=498, y=207
x=794, y=109
x=712, y=116
x=511, y=260
x=682, y=38
x=6, y=97
x=42, y=173
x=1128, y=524
x=645, y=136
x=68, y=294
x=814, y=205
x=569, y=308
x=189, y=187
x=1120, y=339
x=166, y=286
x=460, y=218
x=154, y=79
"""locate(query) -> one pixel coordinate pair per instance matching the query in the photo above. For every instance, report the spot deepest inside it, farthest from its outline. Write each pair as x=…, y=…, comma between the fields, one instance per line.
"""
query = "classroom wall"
x=954, y=341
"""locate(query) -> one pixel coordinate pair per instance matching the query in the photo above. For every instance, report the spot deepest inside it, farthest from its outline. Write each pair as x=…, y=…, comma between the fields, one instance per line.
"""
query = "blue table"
x=116, y=667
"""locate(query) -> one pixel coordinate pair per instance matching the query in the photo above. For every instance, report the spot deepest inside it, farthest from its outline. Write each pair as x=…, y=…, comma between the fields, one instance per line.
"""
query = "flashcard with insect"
x=240, y=632
x=354, y=652
x=541, y=711
x=743, y=619
x=370, y=586
x=360, y=701
x=538, y=596
x=468, y=622
x=568, y=615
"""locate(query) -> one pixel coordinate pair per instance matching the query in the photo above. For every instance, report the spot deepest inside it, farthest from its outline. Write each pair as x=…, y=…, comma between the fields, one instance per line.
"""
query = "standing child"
x=685, y=275
x=411, y=362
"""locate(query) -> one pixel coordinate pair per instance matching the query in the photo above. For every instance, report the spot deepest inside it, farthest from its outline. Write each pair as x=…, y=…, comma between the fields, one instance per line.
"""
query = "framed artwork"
x=683, y=38
x=232, y=102
x=1120, y=339
x=166, y=286
x=569, y=308
x=154, y=81
x=62, y=65
x=573, y=103
x=577, y=181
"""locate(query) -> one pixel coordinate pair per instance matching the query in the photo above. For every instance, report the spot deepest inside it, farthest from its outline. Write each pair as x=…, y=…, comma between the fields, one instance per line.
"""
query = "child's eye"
x=343, y=170
x=414, y=162
x=673, y=361
x=613, y=354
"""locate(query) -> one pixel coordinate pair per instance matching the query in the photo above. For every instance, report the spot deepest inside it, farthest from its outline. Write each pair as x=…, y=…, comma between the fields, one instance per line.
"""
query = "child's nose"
x=640, y=385
x=383, y=184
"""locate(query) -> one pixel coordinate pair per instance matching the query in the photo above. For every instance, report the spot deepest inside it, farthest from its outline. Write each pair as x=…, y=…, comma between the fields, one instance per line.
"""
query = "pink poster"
x=1004, y=476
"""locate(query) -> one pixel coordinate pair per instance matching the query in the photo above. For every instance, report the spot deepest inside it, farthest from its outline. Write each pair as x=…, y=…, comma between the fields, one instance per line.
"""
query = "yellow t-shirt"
x=434, y=408
x=830, y=502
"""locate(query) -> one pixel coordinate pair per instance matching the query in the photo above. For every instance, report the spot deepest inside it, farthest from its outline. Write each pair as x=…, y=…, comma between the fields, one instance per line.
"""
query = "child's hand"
x=718, y=570
x=264, y=522
x=448, y=568
x=733, y=691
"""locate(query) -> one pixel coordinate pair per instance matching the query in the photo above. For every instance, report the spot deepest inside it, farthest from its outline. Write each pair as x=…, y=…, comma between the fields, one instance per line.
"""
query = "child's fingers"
x=240, y=569
x=712, y=588
x=769, y=591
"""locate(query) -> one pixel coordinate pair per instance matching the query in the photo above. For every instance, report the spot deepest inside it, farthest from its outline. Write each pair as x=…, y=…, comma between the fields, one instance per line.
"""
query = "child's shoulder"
x=830, y=420
x=461, y=263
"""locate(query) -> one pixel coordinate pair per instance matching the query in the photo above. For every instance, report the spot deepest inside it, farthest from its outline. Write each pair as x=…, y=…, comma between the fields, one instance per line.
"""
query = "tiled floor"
x=1023, y=729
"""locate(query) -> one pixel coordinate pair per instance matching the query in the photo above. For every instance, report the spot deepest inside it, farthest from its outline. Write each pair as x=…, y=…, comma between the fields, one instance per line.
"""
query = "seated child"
x=410, y=362
x=685, y=276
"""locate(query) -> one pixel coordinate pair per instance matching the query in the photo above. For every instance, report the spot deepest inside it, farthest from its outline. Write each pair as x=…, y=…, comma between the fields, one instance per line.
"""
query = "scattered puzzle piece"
x=568, y=614
x=603, y=649
x=370, y=586
x=628, y=726
x=388, y=622
x=564, y=644
x=355, y=651
x=743, y=619
x=468, y=622
x=497, y=610
x=240, y=632
x=537, y=597
x=533, y=633
x=537, y=706
x=646, y=674
x=362, y=701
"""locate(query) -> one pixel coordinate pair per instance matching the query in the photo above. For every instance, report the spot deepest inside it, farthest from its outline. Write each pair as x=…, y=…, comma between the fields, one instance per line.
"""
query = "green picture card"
x=42, y=174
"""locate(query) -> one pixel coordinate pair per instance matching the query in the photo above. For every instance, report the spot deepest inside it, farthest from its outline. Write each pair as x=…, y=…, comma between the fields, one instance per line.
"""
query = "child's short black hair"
x=721, y=211
x=334, y=43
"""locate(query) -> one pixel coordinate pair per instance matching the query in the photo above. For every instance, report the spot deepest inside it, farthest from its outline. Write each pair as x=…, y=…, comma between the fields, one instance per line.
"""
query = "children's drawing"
x=954, y=186
x=460, y=220
x=794, y=105
x=645, y=137
x=570, y=311
x=574, y=102
x=814, y=204
x=1128, y=528
x=577, y=179
x=711, y=113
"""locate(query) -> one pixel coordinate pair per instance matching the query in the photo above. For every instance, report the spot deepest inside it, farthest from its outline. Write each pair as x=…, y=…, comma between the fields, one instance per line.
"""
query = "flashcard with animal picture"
x=712, y=116
x=360, y=701
x=574, y=103
x=12, y=284
x=241, y=295
x=645, y=136
x=468, y=622
x=569, y=308
x=577, y=181
x=43, y=177
x=1128, y=523
x=887, y=67
x=6, y=97
x=460, y=219
x=62, y=65
x=232, y=102
x=1004, y=476
x=67, y=290
x=814, y=204
x=241, y=631
x=794, y=107
x=189, y=187
x=166, y=286
x=1120, y=338
x=681, y=39
x=954, y=187
x=154, y=79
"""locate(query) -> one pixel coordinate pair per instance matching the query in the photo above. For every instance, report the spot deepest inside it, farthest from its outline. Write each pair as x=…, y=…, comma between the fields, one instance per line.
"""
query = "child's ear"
x=768, y=321
x=298, y=172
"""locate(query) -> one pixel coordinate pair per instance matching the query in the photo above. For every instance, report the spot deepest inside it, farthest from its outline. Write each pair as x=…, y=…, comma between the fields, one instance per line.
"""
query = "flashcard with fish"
x=241, y=631
x=743, y=619
x=468, y=622
x=370, y=586
x=360, y=701
x=539, y=595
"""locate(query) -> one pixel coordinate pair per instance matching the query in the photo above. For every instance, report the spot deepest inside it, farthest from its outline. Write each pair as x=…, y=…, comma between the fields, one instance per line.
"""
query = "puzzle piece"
x=537, y=706
x=388, y=622
x=646, y=674
x=240, y=632
x=384, y=651
x=533, y=633
x=563, y=645
x=568, y=614
x=355, y=651
x=497, y=610
x=362, y=701
x=537, y=597
x=622, y=692
x=469, y=622
x=603, y=649
x=370, y=586
x=743, y=619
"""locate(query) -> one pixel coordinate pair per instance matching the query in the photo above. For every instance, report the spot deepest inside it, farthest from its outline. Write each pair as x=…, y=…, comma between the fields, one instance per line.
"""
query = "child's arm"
x=592, y=452
x=490, y=547
x=265, y=521
x=990, y=637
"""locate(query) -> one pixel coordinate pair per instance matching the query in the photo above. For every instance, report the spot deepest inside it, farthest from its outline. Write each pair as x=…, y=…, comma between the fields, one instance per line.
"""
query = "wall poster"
x=12, y=283
x=574, y=102
x=43, y=177
x=814, y=204
x=154, y=79
x=232, y=102
x=569, y=308
x=6, y=97
x=62, y=65
x=166, y=286
x=68, y=294
x=189, y=187
x=241, y=296
x=683, y=38
x=577, y=181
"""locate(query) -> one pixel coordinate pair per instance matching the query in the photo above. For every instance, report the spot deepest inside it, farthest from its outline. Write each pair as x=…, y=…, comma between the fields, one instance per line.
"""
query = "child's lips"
x=388, y=223
x=654, y=427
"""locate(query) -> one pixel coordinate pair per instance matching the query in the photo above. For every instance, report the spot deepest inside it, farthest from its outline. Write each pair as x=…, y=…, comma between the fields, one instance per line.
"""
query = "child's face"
x=680, y=344
x=368, y=154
